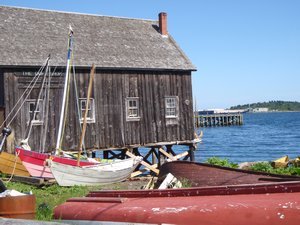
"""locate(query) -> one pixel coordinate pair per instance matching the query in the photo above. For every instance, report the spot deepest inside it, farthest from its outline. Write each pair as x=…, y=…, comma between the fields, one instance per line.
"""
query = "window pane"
x=37, y=113
x=132, y=108
x=132, y=103
x=83, y=104
x=90, y=112
x=171, y=106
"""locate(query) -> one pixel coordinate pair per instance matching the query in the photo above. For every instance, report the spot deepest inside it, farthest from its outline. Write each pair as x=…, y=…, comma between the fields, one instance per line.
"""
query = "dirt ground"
x=129, y=184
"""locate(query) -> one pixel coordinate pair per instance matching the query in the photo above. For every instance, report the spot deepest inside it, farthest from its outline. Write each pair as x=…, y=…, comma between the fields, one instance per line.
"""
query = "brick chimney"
x=162, y=19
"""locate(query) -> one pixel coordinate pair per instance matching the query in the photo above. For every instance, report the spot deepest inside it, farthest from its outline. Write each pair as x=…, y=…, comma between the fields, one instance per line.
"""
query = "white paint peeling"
x=205, y=210
x=170, y=209
x=281, y=215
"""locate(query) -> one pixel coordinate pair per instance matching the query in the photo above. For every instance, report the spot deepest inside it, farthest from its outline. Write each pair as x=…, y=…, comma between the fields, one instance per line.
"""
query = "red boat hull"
x=236, y=204
x=202, y=175
x=36, y=165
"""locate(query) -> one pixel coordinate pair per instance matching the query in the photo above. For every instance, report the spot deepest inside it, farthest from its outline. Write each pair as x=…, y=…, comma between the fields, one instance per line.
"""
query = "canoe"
x=100, y=174
x=196, y=174
x=11, y=164
x=263, y=203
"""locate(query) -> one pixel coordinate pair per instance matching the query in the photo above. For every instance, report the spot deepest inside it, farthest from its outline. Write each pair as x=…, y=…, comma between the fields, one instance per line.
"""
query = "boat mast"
x=86, y=113
x=63, y=105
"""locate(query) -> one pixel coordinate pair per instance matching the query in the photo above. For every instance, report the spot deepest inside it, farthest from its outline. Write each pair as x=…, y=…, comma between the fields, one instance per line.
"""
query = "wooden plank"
x=151, y=167
x=181, y=155
x=139, y=172
x=171, y=157
x=29, y=180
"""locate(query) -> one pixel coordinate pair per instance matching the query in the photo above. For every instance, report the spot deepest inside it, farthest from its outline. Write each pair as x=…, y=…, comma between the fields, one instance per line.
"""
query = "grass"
x=48, y=197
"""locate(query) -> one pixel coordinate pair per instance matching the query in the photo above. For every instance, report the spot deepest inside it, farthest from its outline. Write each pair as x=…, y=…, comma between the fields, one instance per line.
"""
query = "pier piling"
x=213, y=120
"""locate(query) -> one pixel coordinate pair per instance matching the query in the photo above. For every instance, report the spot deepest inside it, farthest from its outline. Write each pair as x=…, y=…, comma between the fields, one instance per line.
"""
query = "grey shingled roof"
x=27, y=37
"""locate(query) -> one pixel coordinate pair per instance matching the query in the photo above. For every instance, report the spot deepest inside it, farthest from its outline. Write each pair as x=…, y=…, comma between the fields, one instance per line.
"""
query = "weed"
x=186, y=183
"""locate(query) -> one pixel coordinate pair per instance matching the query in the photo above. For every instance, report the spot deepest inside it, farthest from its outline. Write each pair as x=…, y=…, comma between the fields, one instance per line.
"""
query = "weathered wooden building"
x=142, y=92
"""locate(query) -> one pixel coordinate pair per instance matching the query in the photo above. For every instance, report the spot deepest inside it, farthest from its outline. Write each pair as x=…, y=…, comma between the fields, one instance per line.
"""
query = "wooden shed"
x=142, y=92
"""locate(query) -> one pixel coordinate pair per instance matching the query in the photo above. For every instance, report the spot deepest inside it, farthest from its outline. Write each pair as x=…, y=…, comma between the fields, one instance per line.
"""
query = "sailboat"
x=68, y=171
x=35, y=161
x=107, y=173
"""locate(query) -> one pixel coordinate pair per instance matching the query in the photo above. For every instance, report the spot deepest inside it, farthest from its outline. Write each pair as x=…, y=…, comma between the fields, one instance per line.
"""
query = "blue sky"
x=245, y=51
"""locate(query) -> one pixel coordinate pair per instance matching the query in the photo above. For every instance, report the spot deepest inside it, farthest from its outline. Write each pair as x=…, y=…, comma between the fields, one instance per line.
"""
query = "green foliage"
x=266, y=167
x=262, y=167
x=272, y=105
x=221, y=162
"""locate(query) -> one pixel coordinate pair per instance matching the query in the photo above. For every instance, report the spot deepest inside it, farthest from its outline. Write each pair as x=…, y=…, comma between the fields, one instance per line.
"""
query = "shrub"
x=221, y=162
x=262, y=167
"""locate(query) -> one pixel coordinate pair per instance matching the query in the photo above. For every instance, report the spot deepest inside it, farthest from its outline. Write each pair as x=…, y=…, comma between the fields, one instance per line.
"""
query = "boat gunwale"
x=238, y=170
x=259, y=188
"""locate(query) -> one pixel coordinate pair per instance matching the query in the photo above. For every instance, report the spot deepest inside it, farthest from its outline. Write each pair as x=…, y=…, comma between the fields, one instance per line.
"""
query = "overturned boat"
x=202, y=174
x=272, y=203
x=219, y=196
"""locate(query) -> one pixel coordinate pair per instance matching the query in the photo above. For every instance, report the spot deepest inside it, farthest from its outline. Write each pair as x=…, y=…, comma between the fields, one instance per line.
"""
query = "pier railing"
x=212, y=120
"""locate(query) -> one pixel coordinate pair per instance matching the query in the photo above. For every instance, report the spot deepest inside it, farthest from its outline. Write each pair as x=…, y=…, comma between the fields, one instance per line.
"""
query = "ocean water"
x=263, y=137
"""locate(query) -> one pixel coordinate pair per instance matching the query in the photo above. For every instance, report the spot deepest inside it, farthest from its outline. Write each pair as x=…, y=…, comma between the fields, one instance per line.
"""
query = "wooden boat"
x=11, y=164
x=107, y=173
x=201, y=174
x=260, y=204
x=35, y=162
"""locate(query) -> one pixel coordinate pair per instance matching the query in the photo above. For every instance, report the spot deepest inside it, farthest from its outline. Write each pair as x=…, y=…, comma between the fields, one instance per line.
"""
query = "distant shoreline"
x=275, y=112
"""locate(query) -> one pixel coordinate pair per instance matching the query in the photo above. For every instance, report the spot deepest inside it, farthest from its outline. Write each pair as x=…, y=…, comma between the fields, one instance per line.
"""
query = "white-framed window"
x=91, y=110
x=171, y=104
x=36, y=113
x=132, y=108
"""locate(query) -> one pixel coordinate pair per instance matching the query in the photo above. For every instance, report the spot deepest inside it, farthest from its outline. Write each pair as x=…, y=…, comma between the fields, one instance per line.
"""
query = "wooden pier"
x=214, y=120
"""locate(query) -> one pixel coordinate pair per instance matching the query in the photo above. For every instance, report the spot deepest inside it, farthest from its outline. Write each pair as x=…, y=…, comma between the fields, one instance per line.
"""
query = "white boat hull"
x=108, y=173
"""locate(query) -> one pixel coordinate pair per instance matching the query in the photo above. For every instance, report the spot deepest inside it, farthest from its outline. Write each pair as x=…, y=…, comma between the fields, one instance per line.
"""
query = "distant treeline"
x=272, y=106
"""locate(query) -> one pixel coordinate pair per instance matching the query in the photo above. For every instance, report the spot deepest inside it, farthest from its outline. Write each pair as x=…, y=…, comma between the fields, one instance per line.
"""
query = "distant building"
x=260, y=110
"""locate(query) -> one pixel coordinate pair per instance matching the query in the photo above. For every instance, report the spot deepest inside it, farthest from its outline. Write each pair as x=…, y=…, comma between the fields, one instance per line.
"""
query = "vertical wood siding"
x=111, y=129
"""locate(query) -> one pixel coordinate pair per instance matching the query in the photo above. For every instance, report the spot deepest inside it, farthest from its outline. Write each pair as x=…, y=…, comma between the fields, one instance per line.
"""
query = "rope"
x=46, y=110
x=15, y=165
x=37, y=102
x=30, y=86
